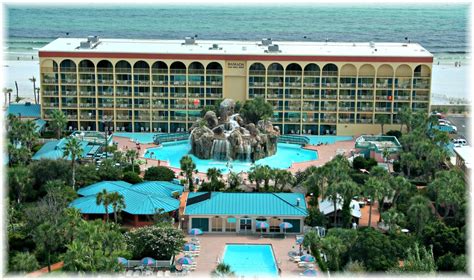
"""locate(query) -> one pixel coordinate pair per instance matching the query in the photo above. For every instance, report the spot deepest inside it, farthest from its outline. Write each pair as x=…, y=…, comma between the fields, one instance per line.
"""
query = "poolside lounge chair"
x=148, y=273
x=304, y=131
x=309, y=131
x=167, y=273
x=142, y=129
x=160, y=274
x=123, y=128
x=159, y=129
x=154, y=129
x=82, y=128
x=147, y=129
x=70, y=128
x=295, y=258
x=88, y=128
x=129, y=273
x=305, y=264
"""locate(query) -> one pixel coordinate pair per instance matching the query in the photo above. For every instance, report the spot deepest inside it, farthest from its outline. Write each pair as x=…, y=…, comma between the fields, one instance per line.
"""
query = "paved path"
x=364, y=219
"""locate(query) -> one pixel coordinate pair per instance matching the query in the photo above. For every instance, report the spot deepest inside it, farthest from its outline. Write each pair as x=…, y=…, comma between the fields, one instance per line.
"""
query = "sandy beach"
x=448, y=81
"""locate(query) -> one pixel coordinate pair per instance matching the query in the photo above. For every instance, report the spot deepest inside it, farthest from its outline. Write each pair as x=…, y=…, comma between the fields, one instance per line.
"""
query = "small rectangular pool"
x=251, y=260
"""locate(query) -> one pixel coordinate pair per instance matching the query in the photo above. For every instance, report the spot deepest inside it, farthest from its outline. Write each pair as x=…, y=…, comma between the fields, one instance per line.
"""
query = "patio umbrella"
x=185, y=260
x=307, y=258
x=300, y=240
x=310, y=272
x=195, y=231
x=285, y=225
x=121, y=260
x=148, y=261
x=189, y=247
x=261, y=225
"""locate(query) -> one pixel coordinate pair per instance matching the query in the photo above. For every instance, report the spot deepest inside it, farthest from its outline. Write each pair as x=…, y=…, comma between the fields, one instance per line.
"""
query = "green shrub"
x=159, y=173
x=132, y=177
x=22, y=262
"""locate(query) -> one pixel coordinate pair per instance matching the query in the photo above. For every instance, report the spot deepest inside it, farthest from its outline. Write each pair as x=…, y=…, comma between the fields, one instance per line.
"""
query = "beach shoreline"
x=449, y=82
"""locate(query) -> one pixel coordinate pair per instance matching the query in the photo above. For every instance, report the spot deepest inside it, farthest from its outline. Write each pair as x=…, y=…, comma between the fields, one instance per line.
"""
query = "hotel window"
x=231, y=224
x=217, y=224
x=245, y=224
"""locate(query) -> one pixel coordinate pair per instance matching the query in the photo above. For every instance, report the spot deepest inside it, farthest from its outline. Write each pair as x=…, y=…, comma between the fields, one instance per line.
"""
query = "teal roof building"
x=142, y=199
x=240, y=212
x=55, y=149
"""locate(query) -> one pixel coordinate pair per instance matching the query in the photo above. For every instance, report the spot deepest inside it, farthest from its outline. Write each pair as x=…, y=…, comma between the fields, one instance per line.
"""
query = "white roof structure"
x=465, y=153
x=327, y=207
x=220, y=47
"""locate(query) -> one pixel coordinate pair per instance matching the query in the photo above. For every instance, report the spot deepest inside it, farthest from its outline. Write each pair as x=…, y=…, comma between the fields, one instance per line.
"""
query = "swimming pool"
x=251, y=260
x=330, y=139
x=144, y=138
x=286, y=155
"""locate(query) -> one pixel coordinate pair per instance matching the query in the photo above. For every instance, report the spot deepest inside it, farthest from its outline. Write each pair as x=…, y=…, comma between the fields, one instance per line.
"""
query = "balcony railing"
x=401, y=97
x=293, y=84
x=311, y=84
x=178, y=118
x=147, y=106
x=123, y=117
x=159, y=118
x=123, y=82
x=403, y=85
x=214, y=95
x=142, y=83
x=328, y=108
x=364, y=121
x=67, y=69
x=143, y=94
x=160, y=106
x=345, y=120
x=105, y=82
x=365, y=85
x=142, y=118
x=124, y=106
x=257, y=84
x=329, y=96
x=365, y=109
x=87, y=93
x=105, y=93
x=105, y=69
x=52, y=104
x=69, y=93
x=68, y=81
x=50, y=93
x=196, y=83
x=87, y=117
x=257, y=72
x=275, y=72
x=159, y=83
x=196, y=71
x=328, y=120
x=178, y=106
x=214, y=72
x=141, y=70
x=346, y=97
x=277, y=119
x=382, y=109
x=347, y=85
x=292, y=120
x=87, y=81
x=123, y=94
x=106, y=105
x=329, y=73
x=293, y=73
x=346, y=109
x=365, y=97
x=421, y=86
x=329, y=85
x=177, y=95
x=159, y=71
x=383, y=85
x=50, y=81
x=86, y=69
x=178, y=83
x=311, y=96
x=293, y=96
x=87, y=105
x=123, y=70
x=420, y=98
x=310, y=108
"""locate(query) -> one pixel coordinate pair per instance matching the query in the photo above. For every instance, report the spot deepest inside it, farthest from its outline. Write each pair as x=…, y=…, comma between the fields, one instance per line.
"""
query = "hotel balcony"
x=256, y=72
x=293, y=73
x=327, y=120
x=159, y=71
x=330, y=73
x=329, y=85
x=50, y=81
x=311, y=96
x=87, y=117
x=275, y=84
x=178, y=83
x=87, y=81
x=142, y=94
x=274, y=96
x=159, y=83
x=400, y=108
x=311, y=85
x=421, y=86
x=346, y=120
x=51, y=105
x=123, y=70
x=178, y=106
x=292, y=107
x=124, y=106
x=105, y=82
x=365, y=97
x=177, y=71
x=214, y=95
x=73, y=117
x=50, y=93
x=68, y=69
x=106, y=105
x=347, y=109
x=329, y=96
x=86, y=69
x=141, y=71
x=196, y=83
x=123, y=117
x=310, y=108
x=159, y=94
x=142, y=106
x=403, y=98
x=196, y=71
x=293, y=120
x=88, y=93
x=178, y=94
x=178, y=118
x=105, y=69
x=159, y=118
x=365, y=109
x=293, y=96
x=69, y=93
x=275, y=72
x=383, y=109
x=406, y=85
x=128, y=94
x=348, y=97
x=123, y=82
x=383, y=86
x=104, y=93
x=69, y=81
x=294, y=84
x=254, y=95
x=142, y=83
x=257, y=84
x=366, y=85
x=160, y=106
x=142, y=117
x=381, y=97
x=197, y=95
x=87, y=105
x=328, y=108
x=347, y=85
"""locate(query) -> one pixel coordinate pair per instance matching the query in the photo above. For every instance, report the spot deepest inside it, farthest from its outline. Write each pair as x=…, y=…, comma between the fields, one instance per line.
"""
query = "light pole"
x=104, y=121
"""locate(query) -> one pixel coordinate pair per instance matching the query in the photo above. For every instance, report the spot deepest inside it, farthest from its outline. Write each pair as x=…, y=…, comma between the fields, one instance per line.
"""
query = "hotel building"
x=162, y=85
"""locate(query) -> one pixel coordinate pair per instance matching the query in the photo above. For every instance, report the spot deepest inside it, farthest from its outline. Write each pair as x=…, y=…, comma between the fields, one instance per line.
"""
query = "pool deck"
x=212, y=248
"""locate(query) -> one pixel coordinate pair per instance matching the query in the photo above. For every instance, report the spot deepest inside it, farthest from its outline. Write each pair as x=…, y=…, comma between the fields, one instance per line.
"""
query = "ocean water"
x=441, y=28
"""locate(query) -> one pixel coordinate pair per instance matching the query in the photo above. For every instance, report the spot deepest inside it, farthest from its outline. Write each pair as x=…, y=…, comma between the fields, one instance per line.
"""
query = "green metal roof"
x=26, y=110
x=261, y=204
x=55, y=149
x=140, y=199
x=378, y=143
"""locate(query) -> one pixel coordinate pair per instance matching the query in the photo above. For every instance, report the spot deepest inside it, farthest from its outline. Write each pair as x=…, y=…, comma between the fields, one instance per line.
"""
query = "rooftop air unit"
x=189, y=40
x=215, y=47
x=266, y=41
x=273, y=48
x=93, y=39
x=85, y=45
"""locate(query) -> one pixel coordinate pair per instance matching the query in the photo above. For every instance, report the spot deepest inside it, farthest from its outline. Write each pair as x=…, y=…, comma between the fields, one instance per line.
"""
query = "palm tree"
x=235, y=180
x=373, y=188
x=449, y=187
x=398, y=184
x=73, y=149
x=103, y=197
x=222, y=270
x=418, y=212
x=405, y=117
x=8, y=95
x=382, y=119
x=27, y=133
x=58, y=122
x=213, y=174
x=118, y=203
x=258, y=174
x=332, y=194
x=19, y=178
x=313, y=242
x=393, y=219
x=408, y=161
x=282, y=178
x=347, y=189
x=131, y=155
x=333, y=247
x=33, y=80
x=188, y=166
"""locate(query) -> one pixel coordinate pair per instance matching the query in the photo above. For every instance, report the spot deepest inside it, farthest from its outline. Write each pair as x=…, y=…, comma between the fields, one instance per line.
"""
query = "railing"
x=123, y=82
x=365, y=85
x=178, y=106
x=293, y=96
x=50, y=93
x=347, y=85
x=329, y=85
x=344, y=120
x=365, y=109
x=214, y=83
x=142, y=83
x=159, y=118
x=178, y=71
x=275, y=72
x=382, y=109
x=123, y=94
x=87, y=105
x=106, y=105
x=310, y=108
x=257, y=72
x=421, y=85
x=257, y=84
x=147, y=106
x=105, y=93
x=160, y=94
x=54, y=105
x=86, y=69
x=123, y=117
x=399, y=97
x=346, y=109
x=68, y=81
x=177, y=95
x=214, y=95
x=383, y=85
x=157, y=83
x=294, y=84
x=178, y=83
x=420, y=98
x=86, y=81
x=142, y=118
x=199, y=95
x=123, y=70
x=311, y=73
x=292, y=119
x=196, y=71
x=142, y=94
x=178, y=118
x=404, y=85
x=311, y=96
x=329, y=73
x=214, y=72
x=346, y=97
x=67, y=69
x=293, y=73
x=160, y=106
x=328, y=120
x=159, y=71
x=69, y=93
x=124, y=106
x=328, y=108
x=103, y=82
x=141, y=70
x=87, y=117
x=71, y=105
x=311, y=84
x=277, y=119
x=50, y=81
x=329, y=96
x=105, y=69
x=88, y=93
x=365, y=97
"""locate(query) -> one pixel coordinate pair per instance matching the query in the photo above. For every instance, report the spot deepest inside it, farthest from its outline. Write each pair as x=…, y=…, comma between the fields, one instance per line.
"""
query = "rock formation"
x=229, y=138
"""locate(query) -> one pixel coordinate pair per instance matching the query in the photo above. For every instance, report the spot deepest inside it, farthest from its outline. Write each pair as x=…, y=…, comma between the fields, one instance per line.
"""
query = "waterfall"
x=248, y=150
x=233, y=123
x=220, y=149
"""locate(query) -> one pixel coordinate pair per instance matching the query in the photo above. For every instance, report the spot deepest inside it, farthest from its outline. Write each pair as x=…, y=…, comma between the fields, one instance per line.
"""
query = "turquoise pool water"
x=286, y=155
x=144, y=137
x=251, y=260
x=316, y=139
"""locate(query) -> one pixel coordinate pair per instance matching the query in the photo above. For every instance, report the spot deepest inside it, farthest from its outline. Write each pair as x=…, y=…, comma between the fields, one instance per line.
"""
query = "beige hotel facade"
x=162, y=85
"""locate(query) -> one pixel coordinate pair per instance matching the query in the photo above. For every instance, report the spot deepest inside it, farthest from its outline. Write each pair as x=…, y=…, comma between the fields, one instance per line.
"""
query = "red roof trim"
x=235, y=57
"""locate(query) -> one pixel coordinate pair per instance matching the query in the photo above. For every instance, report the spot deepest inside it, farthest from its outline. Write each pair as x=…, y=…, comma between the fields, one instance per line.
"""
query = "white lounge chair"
x=309, y=131
x=167, y=273
x=70, y=128
x=129, y=273
x=88, y=128
x=82, y=128
x=305, y=264
x=159, y=129
x=147, y=129
x=123, y=128
x=160, y=274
